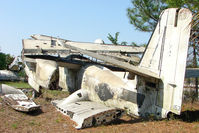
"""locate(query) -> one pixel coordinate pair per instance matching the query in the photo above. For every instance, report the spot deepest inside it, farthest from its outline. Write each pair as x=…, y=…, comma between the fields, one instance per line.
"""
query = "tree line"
x=5, y=60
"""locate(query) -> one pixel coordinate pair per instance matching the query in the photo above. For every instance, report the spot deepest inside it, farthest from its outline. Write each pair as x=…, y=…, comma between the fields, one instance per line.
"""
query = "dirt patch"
x=48, y=119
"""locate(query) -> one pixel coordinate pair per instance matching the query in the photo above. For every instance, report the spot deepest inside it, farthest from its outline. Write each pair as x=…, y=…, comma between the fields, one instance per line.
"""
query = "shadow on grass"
x=35, y=112
x=188, y=116
x=120, y=121
x=131, y=121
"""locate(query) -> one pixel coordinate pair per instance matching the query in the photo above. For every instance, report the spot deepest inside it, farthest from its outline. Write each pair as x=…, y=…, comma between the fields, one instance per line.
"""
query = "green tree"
x=193, y=54
x=2, y=61
x=114, y=40
x=193, y=5
x=144, y=14
x=9, y=60
x=124, y=43
x=5, y=60
x=138, y=45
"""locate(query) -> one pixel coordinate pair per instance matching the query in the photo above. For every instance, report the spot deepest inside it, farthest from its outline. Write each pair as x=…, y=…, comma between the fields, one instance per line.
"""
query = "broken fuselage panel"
x=17, y=99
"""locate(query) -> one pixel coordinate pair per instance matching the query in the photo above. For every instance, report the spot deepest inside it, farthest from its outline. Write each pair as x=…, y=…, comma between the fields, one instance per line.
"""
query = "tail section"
x=166, y=54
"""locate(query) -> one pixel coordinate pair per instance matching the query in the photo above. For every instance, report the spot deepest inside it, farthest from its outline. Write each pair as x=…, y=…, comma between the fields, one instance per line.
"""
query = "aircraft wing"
x=121, y=64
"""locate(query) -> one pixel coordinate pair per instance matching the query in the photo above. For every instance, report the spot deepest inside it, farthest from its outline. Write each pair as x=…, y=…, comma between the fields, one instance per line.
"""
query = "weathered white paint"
x=16, y=64
x=41, y=73
x=17, y=99
x=67, y=79
x=45, y=70
x=166, y=55
x=87, y=113
x=154, y=87
x=44, y=41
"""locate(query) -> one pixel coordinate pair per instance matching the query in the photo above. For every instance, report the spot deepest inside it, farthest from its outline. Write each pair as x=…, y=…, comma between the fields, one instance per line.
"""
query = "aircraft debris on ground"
x=7, y=75
x=11, y=75
x=17, y=99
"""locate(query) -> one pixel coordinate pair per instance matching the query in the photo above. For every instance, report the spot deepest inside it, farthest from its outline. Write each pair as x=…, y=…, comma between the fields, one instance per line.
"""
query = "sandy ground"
x=49, y=120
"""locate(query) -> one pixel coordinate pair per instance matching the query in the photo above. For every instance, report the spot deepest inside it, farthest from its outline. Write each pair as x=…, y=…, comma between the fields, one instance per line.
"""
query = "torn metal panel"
x=16, y=65
x=105, y=87
x=94, y=47
x=17, y=99
x=45, y=72
x=121, y=64
x=132, y=59
x=67, y=79
x=87, y=113
x=41, y=73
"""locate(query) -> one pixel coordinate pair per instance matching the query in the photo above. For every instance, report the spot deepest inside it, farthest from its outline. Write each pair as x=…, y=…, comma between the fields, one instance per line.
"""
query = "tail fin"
x=166, y=53
x=167, y=49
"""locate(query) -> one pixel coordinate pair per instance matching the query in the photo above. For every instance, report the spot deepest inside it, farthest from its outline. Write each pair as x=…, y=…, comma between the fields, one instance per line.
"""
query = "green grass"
x=54, y=94
x=19, y=84
x=34, y=123
x=59, y=119
x=2, y=110
x=14, y=125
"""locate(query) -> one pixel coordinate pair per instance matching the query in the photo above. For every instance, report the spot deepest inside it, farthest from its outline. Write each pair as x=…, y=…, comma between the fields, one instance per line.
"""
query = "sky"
x=76, y=20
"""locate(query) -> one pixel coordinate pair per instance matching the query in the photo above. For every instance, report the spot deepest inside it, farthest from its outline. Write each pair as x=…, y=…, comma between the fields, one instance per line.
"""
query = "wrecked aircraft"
x=17, y=99
x=110, y=79
x=16, y=64
x=6, y=75
x=10, y=75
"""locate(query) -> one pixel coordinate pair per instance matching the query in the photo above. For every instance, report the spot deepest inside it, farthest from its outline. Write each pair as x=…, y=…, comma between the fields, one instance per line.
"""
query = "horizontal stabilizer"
x=87, y=113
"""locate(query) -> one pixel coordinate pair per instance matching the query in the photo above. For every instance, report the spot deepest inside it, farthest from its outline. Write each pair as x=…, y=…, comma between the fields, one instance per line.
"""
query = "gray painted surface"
x=192, y=73
x=8, y=76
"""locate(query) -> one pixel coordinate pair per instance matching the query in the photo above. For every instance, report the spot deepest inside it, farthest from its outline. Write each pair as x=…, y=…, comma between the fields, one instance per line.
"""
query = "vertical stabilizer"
x=166, y=54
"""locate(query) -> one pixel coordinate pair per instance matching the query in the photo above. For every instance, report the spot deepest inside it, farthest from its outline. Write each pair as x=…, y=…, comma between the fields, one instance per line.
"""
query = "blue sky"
x=77, y=20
